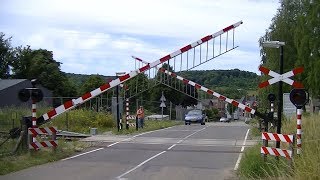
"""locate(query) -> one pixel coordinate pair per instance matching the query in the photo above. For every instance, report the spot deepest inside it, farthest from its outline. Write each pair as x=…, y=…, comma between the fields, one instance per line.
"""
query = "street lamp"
x=277, y=44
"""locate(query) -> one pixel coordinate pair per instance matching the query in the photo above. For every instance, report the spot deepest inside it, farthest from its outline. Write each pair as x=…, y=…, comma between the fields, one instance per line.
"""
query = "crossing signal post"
x=280, y=78
x=299, y=98
x=36, y=95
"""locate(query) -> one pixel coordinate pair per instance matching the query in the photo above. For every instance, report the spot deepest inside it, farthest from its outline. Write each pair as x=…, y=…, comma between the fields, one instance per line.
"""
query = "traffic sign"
x=162, y=98
x=281, y=77
x=162, y=104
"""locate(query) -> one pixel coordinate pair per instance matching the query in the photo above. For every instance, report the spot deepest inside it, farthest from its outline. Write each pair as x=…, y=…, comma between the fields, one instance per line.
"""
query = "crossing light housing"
x=299, y=97
x=24, y=95
x=271, y=97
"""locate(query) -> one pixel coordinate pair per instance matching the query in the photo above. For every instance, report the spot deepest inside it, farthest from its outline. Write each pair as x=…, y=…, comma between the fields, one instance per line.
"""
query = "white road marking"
x=241, y=151
x=128, y=139
x=172, y=146
x=139, y=165
x=181, y=140
x=72, y=157
x=82, y=154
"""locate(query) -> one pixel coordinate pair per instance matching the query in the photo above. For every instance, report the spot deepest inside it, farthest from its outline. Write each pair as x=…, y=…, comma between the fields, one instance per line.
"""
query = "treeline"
x=232, y=83
x=297, y=23
x=26, y=63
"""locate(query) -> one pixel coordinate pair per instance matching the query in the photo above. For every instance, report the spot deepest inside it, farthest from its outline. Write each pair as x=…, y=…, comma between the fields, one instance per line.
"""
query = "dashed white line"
x=181, y=140
x=128, y=139
x=172, y=146
x=241, y=151
x=139, y=165
x=82, y=154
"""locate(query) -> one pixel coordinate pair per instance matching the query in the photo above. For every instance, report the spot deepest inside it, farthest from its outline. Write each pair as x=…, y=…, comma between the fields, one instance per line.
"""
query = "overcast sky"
x=100, y=36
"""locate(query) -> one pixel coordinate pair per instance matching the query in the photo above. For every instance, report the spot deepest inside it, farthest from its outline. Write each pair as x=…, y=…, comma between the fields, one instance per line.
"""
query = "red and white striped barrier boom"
x=75, y=102
x=276, y=152
x=281, y=77
x=277, y=137
x=139, y=59
x=219, y=96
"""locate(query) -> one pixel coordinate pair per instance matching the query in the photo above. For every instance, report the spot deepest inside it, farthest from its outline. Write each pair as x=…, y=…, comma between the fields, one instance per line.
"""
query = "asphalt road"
x=180, y=152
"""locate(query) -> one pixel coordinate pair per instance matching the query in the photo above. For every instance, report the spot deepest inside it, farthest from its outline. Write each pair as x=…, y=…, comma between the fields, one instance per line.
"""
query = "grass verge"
x=11, y=163
x=305, y=166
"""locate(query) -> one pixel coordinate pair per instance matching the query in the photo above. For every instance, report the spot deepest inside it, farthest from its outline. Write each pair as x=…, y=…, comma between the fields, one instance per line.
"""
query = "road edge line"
x=241, y=151
x=81, y=154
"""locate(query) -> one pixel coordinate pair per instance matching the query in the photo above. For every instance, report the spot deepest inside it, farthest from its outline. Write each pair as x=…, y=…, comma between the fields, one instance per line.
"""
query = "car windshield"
x=194, y=112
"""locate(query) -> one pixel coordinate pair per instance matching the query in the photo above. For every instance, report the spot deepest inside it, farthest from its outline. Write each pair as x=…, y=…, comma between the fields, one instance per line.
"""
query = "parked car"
x=225, y=119
x=195, y=116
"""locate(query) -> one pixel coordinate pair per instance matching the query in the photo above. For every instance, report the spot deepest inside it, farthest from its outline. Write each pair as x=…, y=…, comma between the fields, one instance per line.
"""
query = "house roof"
x=5, y=83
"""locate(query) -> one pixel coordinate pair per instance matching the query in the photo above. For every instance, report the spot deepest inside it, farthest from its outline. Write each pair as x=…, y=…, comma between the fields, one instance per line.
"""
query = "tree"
x=39, y=64
x=282, y=28
x=307, y=41
x=92, y=83
x=6, y=56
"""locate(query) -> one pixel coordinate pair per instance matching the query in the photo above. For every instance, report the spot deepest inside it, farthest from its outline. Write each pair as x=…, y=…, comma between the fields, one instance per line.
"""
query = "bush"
x=212, y=113
x=305, y=166
x=81, y=120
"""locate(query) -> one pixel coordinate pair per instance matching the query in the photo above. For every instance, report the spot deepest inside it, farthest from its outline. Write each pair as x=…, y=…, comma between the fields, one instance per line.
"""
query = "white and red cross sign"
x=281, y=77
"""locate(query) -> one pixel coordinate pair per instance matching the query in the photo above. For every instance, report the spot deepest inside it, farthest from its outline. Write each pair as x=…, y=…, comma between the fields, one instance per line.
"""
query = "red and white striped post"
x=127, y=107
x=299, y=131
x=34, y=117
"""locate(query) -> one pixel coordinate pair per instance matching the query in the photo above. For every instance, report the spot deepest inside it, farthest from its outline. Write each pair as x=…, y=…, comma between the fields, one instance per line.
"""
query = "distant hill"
x=234, y=83
x=234, y=78
x=79, y=79
x=231, y=83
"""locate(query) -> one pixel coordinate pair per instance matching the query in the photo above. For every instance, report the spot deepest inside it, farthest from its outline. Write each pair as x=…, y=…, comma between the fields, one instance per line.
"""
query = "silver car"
x=195, y=116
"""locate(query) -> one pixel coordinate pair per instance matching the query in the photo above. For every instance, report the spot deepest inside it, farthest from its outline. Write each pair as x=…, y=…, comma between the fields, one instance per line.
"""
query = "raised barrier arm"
x=75, y=102
x=219, y=96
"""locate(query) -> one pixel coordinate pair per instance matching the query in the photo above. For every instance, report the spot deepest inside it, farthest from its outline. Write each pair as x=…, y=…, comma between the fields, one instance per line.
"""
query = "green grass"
x=21, y=160
x=78, y=120
x=305, y=166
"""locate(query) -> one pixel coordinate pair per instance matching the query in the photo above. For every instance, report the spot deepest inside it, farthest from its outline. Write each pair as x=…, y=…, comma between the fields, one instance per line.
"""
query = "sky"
x=100, y=36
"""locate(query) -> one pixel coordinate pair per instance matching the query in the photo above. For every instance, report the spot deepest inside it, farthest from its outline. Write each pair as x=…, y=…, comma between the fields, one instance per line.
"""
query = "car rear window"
x=194, y=112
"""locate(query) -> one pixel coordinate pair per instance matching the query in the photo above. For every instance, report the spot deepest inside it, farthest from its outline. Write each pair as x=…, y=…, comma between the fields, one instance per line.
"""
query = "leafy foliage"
x=6, y=55
x=297, y=23
x=232, y=83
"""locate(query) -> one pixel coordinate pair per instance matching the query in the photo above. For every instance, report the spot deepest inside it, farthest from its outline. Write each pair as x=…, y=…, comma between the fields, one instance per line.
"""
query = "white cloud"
x=100, y=36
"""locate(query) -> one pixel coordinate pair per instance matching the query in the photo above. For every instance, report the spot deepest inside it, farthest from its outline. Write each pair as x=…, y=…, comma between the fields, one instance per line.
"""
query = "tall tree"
x=6, y=55
x=39, y=64
x=307, y=41
x=282, y=28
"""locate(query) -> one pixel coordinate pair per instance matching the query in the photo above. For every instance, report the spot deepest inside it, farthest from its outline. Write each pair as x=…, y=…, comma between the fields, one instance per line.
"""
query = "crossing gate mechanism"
x=211, y=92
x=75, y=102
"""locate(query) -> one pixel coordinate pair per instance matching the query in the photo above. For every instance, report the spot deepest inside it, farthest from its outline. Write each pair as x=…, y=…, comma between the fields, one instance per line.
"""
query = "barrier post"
x=299, y=130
